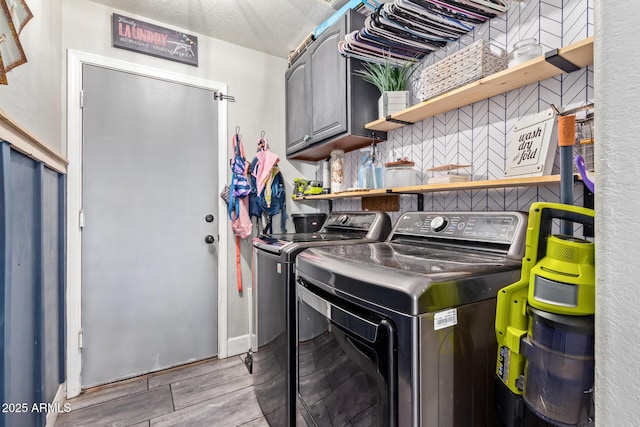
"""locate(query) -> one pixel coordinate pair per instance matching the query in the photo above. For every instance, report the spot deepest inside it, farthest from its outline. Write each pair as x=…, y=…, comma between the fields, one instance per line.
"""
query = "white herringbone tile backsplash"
x=478, y=134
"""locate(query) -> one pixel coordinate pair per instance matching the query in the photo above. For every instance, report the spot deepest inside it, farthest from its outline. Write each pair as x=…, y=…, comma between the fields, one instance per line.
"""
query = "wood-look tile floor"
x=209, y=393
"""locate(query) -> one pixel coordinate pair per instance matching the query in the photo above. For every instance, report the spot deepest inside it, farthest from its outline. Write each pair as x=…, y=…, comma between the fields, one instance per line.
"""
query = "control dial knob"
x=438, y=223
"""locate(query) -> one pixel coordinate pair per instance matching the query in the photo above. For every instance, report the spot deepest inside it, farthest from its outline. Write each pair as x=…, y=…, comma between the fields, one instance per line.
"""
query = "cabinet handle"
x=306, y=138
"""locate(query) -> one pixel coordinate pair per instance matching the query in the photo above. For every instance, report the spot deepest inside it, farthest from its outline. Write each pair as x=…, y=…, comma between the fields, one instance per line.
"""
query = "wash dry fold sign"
x=150, y=39
x=532, y=146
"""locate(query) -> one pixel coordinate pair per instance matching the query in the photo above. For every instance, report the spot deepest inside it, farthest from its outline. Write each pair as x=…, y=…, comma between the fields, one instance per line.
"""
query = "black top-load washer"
x=408, y=324
x=274, y=308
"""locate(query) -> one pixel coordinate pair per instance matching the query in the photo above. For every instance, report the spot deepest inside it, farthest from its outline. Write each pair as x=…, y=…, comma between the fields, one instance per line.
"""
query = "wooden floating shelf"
x=435, y=188
x=579, y=54
x=346, y=195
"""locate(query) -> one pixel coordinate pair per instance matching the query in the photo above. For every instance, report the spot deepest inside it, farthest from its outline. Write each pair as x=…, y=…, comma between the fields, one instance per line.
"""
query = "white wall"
x=33, y=97
x=617, y=199
x=256, y=80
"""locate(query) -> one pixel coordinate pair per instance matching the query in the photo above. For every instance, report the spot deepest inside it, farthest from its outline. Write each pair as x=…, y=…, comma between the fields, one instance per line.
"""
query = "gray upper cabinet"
x=327, y=106
x=298, y=109
x=328, y=117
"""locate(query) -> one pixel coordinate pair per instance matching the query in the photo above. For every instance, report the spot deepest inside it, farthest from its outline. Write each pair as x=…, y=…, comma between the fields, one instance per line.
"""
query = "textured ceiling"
x=276, y=27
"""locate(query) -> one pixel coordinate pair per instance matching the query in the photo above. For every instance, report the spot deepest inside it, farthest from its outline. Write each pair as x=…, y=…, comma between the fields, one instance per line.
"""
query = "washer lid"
x=314, y=237
x=406, y=278
x=276, y=243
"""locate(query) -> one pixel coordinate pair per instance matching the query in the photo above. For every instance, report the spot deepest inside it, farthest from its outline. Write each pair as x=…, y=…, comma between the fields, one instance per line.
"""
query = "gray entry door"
x=149, y=279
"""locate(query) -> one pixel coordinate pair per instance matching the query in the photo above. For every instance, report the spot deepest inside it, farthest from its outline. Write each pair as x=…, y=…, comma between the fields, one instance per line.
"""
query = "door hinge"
x=81, y=99
x=81, y=218
x=80, y=333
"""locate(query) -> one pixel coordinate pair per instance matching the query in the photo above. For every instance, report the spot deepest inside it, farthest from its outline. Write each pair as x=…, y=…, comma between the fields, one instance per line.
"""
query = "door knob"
x=209, y=218
x=209, y=239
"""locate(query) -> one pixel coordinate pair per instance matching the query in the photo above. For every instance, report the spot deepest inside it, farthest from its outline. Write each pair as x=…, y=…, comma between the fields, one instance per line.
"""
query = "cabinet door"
x=298, y=108
x=328, y=80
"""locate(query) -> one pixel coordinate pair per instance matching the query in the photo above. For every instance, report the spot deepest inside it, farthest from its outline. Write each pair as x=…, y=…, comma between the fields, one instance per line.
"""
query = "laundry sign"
x=532, y=148
x=139, y=36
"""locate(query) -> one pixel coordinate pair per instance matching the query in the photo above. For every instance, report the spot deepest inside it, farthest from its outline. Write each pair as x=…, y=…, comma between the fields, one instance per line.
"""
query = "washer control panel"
x=350, y=220
x=495, y=227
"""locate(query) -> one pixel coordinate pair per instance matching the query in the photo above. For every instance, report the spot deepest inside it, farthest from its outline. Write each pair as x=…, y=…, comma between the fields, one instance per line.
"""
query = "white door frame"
x=75, y=61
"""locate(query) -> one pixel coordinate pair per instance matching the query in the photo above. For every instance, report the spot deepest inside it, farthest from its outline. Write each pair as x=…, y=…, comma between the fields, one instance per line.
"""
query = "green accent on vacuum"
x=558, y=276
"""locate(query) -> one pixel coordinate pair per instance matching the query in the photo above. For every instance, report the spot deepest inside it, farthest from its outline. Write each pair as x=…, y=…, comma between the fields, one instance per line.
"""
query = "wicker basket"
x=478, y=60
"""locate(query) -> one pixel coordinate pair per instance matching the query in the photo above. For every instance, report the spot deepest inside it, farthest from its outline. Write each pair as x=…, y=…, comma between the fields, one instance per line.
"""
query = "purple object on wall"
x=583, y=173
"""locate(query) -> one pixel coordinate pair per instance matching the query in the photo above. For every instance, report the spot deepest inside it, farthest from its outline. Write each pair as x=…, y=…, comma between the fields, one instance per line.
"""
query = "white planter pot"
x=392, y=101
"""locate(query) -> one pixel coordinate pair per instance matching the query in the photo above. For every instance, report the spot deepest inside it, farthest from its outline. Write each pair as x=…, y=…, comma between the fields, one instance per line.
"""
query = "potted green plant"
x=392, y=80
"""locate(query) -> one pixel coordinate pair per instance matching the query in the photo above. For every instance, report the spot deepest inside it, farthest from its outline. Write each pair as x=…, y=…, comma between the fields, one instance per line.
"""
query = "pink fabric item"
x=241, y=225
x=266, y=160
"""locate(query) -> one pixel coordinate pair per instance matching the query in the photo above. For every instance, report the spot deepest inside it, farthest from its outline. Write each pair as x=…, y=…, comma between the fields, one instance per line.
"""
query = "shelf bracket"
x=402, y=122
x=554, y=58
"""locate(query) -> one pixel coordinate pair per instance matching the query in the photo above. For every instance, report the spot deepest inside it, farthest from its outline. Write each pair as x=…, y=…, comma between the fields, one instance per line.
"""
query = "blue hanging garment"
x=268, y=196
x=239, y=184
x=238, y=201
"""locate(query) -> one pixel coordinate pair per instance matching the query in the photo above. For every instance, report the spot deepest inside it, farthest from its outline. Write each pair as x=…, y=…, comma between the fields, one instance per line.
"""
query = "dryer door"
x=346, y=373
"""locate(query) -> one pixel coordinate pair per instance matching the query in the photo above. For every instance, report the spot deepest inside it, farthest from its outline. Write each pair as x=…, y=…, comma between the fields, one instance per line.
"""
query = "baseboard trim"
x=58, y=402
x=238, y=345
